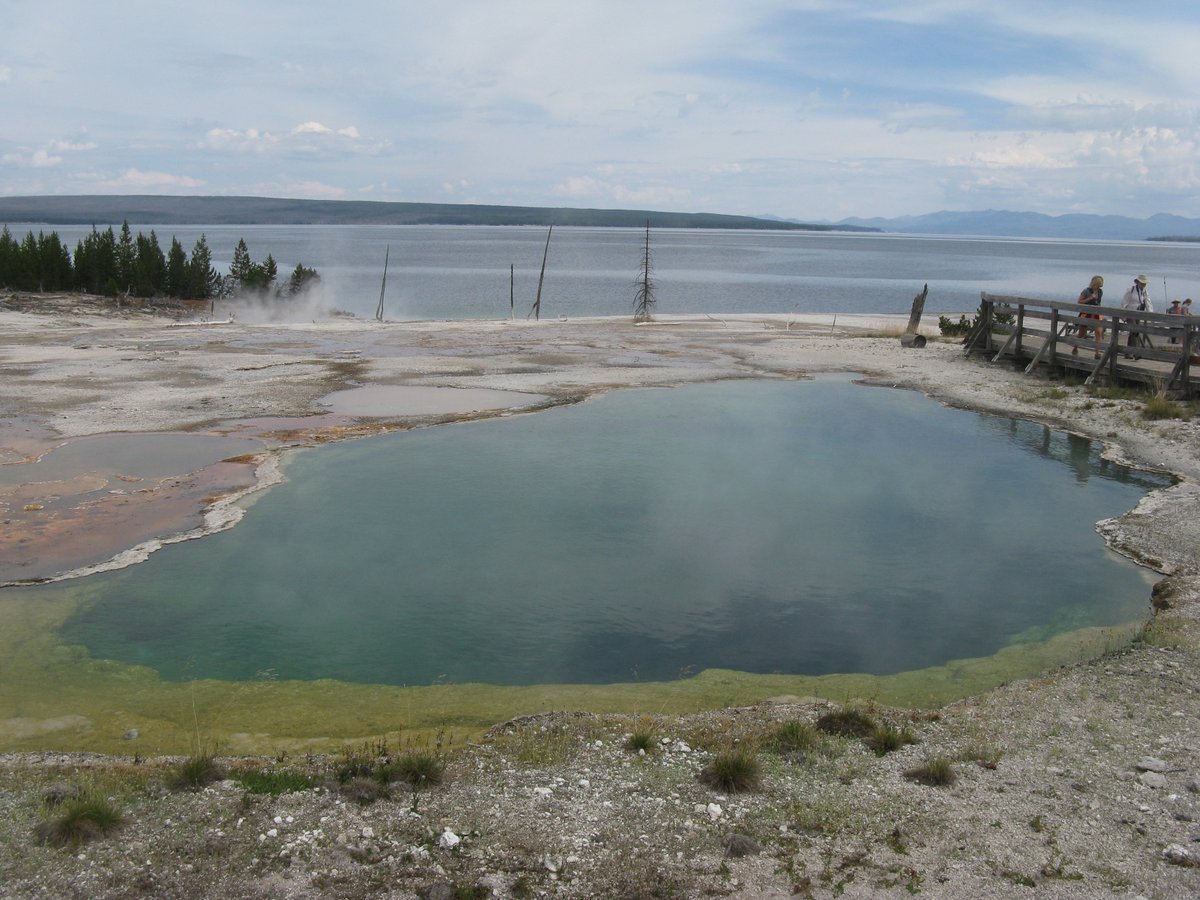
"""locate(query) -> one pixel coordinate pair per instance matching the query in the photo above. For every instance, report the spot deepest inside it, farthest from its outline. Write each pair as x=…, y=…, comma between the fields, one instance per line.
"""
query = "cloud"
x=591, y=190
x=5, y=75
x=73, y=146
x=305, y=190
x=38, y=159
x=138, y=179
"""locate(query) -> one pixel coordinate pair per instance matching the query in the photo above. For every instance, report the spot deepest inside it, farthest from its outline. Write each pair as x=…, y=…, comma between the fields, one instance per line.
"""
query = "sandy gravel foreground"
x=1082, y=783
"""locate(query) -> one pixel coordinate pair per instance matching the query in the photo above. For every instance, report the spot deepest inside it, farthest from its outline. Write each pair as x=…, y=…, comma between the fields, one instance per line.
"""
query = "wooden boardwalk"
x=1115, y=345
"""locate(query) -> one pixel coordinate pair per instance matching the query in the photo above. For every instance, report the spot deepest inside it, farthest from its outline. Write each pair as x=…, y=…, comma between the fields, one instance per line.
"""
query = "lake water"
x=790, y=527
x=460, y=272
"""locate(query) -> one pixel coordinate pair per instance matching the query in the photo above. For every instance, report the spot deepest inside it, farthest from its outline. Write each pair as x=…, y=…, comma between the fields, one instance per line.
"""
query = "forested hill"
x=106, y=210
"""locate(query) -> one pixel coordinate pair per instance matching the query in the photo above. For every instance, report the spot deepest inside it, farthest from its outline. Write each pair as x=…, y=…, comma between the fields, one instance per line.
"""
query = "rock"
x=1151, y=764
x=130, y=735
x=1161, y=593
x=1178, y=855
x=449, y=840
x=439, y=891
x=714, y=811
x=740, y=845
x=1153, y=780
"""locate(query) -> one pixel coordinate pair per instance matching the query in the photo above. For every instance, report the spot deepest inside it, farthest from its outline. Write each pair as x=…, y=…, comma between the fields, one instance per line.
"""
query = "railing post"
x=1189, y=334
x=1114, y=345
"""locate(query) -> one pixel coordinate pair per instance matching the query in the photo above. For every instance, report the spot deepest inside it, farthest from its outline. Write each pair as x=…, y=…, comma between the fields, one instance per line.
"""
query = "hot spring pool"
x=797, y=527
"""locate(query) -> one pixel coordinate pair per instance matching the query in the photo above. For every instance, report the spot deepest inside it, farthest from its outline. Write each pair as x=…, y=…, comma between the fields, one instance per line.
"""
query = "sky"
x=815, y=110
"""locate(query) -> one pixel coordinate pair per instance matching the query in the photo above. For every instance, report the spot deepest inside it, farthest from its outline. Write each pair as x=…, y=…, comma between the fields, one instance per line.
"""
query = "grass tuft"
x=196, y=772
x=642, y=740
x=796, y=737
x=733, y=770
x=936, y=772
x=887, y=738
x=80, y=820
x=273, y=781
x=847, y=722
x=418, y=768
x=364, y=791
x=1159, y=407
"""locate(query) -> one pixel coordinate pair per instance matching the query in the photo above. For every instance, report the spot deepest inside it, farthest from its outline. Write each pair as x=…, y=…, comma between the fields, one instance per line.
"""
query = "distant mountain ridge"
x=1003, y=223
x=103, y=210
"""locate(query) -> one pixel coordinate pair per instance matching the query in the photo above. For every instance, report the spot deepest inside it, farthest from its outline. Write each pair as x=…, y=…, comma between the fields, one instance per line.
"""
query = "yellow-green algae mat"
x=54, y=696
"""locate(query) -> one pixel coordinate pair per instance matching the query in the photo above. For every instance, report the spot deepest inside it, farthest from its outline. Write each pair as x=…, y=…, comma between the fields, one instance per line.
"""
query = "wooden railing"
x=1102, y=340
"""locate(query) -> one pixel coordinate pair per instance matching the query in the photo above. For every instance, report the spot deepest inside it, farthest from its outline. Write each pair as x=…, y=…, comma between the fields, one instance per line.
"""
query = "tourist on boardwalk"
x=1091, y=296
x=1137, y=297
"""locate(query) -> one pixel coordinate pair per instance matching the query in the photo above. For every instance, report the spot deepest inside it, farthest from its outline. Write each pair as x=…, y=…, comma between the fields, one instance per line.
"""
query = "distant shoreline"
x=167, y=210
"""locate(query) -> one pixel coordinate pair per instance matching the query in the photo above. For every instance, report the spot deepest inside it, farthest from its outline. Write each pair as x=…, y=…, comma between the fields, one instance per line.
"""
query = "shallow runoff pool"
x=790, y=527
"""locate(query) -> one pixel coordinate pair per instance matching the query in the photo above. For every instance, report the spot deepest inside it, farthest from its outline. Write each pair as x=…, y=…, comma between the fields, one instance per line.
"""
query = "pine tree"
x=177, y=270
x=150, y=268
x=9, y=249
x=126, y=255
x=202, y=278
x=302, y=277
x=241, y=270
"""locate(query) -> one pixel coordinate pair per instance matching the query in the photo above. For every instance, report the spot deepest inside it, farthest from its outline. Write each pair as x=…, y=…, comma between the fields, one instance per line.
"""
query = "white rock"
x=449, y=840
x=542, y=791
x=714, y=811
x=584, y=783
x=274, y=832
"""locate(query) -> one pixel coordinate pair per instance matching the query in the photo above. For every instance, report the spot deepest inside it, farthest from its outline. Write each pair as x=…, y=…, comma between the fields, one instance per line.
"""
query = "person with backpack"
x=1091, y=296
x=1137, y=297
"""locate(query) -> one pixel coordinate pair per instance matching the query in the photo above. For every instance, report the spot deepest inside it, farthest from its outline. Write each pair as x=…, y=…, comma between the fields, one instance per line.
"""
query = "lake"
x=462, y=272
x=789, y=527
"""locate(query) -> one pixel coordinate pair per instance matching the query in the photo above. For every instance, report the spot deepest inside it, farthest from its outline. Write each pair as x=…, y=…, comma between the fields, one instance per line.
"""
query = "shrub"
x=951, y=328
x=733, y=770
x=80, y=820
